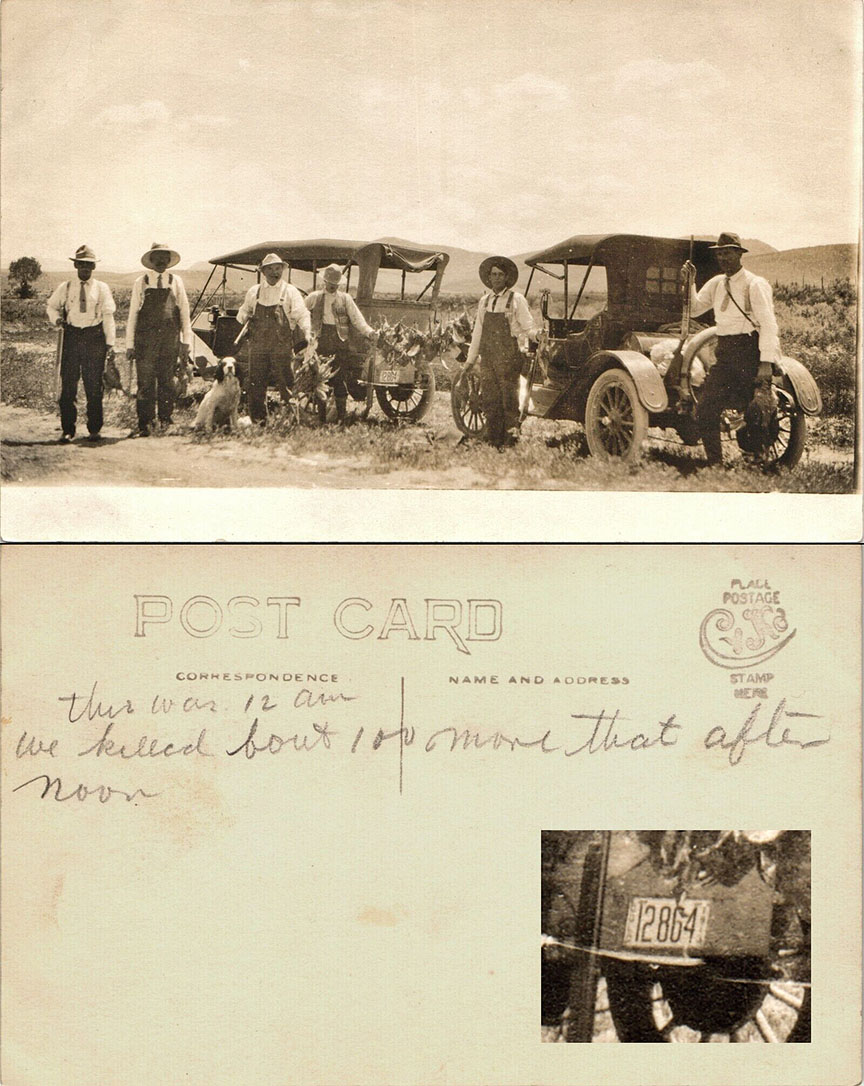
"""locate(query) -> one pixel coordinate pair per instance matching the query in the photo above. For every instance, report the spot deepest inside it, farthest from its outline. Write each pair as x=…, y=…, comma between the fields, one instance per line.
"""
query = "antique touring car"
x=404, y=385
x=700, y=935
x=613, y=356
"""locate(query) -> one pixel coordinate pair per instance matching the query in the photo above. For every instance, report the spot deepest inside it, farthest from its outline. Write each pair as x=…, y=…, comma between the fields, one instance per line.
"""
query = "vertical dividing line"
x=401, y=729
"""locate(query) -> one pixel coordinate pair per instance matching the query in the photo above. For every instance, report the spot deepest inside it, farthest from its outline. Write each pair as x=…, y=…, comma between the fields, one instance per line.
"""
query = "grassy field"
x=552, y=455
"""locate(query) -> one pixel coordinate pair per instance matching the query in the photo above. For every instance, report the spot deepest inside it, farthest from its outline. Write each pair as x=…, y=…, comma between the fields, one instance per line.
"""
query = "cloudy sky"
x=213, y=124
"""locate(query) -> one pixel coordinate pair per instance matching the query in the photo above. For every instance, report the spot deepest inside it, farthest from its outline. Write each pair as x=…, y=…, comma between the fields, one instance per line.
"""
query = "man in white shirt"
x=277, y=324
x=503, y=319
x=334, y=313
x=157, y=333
x=747, y=341
x=84, y=309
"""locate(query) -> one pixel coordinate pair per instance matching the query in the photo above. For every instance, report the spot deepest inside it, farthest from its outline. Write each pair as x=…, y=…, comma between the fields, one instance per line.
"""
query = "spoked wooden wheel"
x=788, y=435
x=723, y=1002
x=616, y=423
x=467, y=405
x=410, y=402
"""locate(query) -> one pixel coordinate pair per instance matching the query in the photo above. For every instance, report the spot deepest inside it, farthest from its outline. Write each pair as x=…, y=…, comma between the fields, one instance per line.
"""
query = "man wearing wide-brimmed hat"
x=747, y=346
x=277, y=324
x=503, y=325
x=84, y=309
x=158, y=332
x=334, y=316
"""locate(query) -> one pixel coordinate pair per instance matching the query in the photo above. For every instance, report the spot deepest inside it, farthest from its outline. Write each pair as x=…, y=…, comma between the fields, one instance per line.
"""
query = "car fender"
x=696, y=342
x=646, y=377
x=803, y=386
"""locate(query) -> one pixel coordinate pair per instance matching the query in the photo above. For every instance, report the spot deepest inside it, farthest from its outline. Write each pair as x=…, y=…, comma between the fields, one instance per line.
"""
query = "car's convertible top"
x=598, y=248
x=315, y=254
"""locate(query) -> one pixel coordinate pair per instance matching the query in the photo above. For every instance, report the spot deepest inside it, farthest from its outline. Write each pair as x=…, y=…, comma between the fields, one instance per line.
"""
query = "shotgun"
x=523, y=411
x=676, y=374
x=58, y=379
x=583, y=979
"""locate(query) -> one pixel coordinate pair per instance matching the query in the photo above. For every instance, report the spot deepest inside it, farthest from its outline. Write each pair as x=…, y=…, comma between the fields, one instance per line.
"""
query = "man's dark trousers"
x=83, y=357
x=729, y=384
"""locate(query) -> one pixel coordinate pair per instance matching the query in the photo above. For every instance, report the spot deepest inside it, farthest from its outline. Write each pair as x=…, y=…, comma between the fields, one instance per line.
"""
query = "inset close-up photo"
x=682, y=936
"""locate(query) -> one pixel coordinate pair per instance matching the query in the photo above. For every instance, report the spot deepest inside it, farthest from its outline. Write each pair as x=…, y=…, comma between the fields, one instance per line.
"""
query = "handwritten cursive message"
x=102, y=732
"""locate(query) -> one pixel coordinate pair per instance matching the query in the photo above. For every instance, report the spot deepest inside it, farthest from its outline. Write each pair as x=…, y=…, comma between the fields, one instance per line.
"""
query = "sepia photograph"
x=683, y=936
x=416, y=246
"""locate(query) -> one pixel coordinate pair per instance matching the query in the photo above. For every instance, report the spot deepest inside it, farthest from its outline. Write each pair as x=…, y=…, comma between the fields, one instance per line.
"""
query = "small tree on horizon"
x=25, y=270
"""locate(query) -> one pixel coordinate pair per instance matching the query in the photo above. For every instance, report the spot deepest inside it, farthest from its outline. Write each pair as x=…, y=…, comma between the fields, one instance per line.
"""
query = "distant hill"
x=784, y=266
x=809, y=265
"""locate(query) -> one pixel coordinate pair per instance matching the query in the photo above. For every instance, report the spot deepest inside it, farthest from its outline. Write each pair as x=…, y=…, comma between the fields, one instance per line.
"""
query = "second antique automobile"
x=403, y=386
x=621, y=354
x=699, y=935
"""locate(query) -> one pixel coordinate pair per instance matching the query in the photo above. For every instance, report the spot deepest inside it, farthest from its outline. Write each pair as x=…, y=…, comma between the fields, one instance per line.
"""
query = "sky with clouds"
x=214, y=124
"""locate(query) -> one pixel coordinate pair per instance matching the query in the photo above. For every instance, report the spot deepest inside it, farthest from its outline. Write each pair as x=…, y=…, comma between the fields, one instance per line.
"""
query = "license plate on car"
x=665, y=922
x=387, y=377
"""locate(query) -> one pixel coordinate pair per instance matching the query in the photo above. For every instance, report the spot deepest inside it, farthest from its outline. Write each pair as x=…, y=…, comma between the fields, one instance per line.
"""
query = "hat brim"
x=490, y=262
x=740, y=248
x=84, y=260
x=145, y=259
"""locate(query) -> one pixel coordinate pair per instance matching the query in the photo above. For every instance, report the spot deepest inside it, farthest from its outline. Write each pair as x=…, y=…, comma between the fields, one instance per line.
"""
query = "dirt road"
x=32, y=456
x=377, y=454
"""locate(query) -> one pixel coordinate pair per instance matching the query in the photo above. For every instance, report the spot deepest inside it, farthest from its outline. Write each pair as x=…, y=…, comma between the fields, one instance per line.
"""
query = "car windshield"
x=593, y=293
x=391, y=283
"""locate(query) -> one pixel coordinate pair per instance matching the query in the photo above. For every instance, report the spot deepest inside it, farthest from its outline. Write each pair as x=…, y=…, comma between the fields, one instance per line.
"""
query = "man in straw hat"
x=503, y=319
x=84, y=309
x=157, y=333
x=747, y=345
x=277, y=323
x=334, y=314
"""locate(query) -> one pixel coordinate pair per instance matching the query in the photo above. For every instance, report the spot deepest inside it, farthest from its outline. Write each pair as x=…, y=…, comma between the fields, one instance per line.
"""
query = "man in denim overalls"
x=503, y=317
x=277, y=324
x=157, y=334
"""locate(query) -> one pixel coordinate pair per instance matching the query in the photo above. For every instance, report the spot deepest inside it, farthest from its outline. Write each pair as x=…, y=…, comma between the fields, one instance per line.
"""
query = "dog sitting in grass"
x=219, y=406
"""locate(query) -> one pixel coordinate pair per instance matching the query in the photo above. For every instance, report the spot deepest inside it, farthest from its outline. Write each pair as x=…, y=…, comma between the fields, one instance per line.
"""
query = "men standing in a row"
x=272, y=312
x=334, y=314
x=84, y=309
x=157, y=333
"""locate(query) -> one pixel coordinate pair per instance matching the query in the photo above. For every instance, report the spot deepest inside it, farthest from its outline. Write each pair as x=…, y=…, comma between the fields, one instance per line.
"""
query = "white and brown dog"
x=219, y=406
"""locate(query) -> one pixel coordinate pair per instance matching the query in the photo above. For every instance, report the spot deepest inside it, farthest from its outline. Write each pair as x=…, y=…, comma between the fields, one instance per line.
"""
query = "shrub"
x=25, y=270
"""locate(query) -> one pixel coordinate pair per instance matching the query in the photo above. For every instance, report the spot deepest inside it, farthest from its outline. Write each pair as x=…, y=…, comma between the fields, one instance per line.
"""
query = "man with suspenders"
x=84, y=309
x=271, y=312
x=747, y=345
x=503, y=317
x=334, y=314
x=157, y=333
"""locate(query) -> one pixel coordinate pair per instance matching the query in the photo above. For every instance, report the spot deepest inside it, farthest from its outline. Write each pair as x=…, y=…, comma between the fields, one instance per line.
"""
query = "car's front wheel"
x=466, y=403
x=615, y=421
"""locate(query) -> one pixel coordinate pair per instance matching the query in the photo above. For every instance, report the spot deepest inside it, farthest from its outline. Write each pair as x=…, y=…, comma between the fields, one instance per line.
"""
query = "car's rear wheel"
x=615, y=421
x=409, y=402
x=728, y=1001
x=788, y=436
